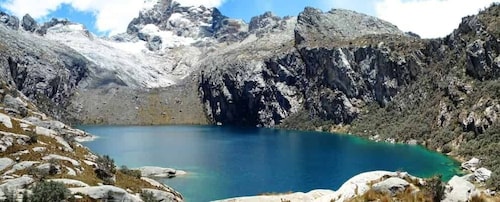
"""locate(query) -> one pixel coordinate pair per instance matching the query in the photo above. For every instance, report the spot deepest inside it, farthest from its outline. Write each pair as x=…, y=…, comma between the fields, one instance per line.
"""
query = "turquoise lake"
x=224, y=162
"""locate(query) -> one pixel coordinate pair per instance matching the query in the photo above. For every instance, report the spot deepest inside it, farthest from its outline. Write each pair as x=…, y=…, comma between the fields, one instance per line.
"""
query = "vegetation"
x=49, y=192
x=106, y=169
x=147, y=196
x=133, y=173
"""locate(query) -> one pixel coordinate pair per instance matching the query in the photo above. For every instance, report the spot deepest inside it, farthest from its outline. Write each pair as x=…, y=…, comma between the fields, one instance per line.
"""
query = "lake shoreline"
x=316, y=161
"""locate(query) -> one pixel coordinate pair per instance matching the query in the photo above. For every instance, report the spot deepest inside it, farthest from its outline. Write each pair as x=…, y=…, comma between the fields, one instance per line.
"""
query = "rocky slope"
x=35, y=148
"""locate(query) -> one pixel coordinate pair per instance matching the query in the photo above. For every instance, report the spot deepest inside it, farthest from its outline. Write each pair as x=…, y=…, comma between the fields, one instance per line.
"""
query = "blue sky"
x=247, y=9
x=428, y=18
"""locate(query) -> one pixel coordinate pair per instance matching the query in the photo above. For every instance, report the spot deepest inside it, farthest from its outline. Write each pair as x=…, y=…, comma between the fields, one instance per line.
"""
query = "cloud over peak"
x=428, y=18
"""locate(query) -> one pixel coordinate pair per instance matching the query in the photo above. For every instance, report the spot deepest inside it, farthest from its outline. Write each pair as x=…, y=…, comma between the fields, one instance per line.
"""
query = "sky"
x=428, y=18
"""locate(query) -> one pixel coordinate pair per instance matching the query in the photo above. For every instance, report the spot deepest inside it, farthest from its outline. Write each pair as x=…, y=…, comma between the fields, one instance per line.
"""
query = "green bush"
x=494, y=181
x=435, y=188
x=49, y=192
x=148, y=196
x=134, y=173
x=33, y=137
x=105, y=169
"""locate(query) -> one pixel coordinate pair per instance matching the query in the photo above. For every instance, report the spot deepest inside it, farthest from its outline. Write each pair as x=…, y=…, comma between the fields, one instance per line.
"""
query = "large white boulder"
x=105, y=192
x=471, y=164
x=5, y=120
x=5, y=163
x=152, y=171
x=162, y=195
x=459, y=189
x=482, y=174
x=21, y=166
x=16, y=183
x=393, y=186
x=62, y=158
x=70, y=182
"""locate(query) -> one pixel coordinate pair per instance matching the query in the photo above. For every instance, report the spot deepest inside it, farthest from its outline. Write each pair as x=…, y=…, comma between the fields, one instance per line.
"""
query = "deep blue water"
x=225, y=162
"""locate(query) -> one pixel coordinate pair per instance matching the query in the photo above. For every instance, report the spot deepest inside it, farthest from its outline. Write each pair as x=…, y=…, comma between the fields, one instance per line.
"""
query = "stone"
x=482, y=174
x=29, y=24
x=412, y=142
x=62, y=158
x=16, y=183
x=71, y=171
x=162, y=195
x=17, y=104
x=5, y=163
x=393, y=186
x=105, y=192
x=21, y=166
x=5, y=120
x=70, y=182
x=152, y=171
x=39, y=149
x=459, y=189
x=471, y=164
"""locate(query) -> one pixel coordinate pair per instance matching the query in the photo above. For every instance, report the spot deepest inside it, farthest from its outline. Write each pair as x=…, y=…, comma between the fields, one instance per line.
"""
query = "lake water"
x=225, y=162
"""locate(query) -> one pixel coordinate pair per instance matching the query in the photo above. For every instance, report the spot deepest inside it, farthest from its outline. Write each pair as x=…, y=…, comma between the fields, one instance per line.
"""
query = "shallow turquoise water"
x=225, y=162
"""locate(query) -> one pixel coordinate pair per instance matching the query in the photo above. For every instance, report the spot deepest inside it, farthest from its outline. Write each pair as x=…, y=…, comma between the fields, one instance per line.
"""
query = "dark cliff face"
x=46, y=73
x=329, y=82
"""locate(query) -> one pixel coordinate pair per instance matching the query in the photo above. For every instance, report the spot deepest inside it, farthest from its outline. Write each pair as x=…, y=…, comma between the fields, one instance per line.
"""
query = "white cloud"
x=111, y=16
x=428, y=18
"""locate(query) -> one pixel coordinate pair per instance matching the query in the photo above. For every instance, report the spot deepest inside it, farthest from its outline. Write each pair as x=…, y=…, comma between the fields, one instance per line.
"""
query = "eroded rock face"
x=29, y=24
x=48, y=73
x=9, y=21
x=482, y=53
x=332, y=83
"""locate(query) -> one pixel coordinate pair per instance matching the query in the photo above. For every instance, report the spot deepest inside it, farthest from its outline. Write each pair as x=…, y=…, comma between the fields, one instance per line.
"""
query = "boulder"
x=162, y=195
x=21, y=166
x=29, y=24
x=471, y=164
x=49, y=168
x=482, y=174
x=152, y=171
x=393, y=186
x=106, y=192
x=5, y=163
x=5, y=120
x=459, y=189
x=16, y=183
x=39, y=149
x=62, y=158
x=70, y=182
x=16, y=103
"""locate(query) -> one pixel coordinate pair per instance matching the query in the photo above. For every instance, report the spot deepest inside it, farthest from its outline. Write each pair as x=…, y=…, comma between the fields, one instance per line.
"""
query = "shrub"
x=435, y=188
x=494, y=181
x=105, y=169
x=148, y=196
x=134, y=173
x=33, y=137
x=49, y=191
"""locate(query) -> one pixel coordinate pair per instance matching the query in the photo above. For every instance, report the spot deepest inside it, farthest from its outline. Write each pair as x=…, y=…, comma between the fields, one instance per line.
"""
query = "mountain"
x=336, y=71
